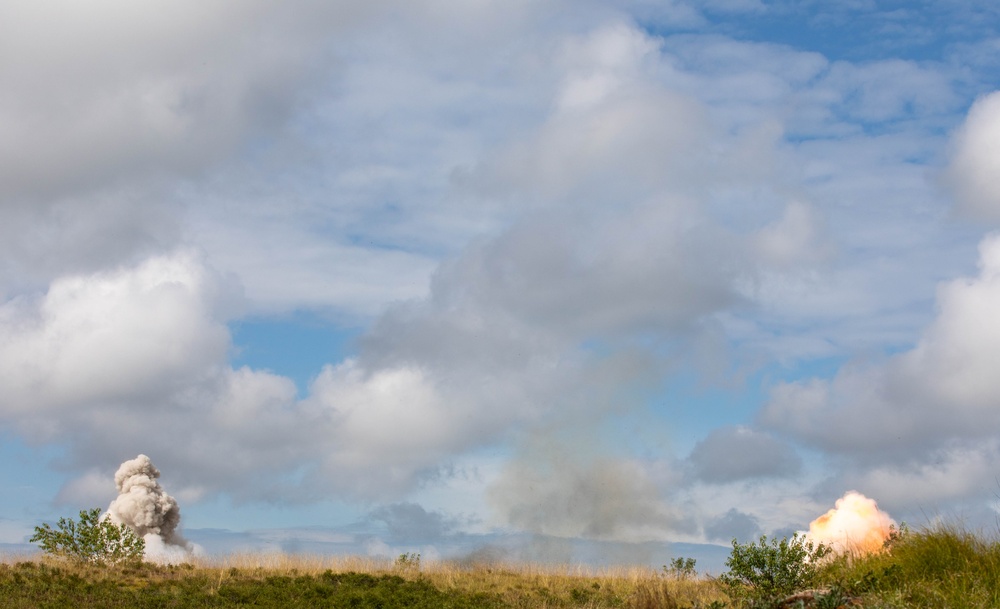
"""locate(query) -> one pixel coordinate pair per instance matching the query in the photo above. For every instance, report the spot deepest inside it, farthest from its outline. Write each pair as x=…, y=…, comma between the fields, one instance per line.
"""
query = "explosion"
x=855, y=525
x=148, y=510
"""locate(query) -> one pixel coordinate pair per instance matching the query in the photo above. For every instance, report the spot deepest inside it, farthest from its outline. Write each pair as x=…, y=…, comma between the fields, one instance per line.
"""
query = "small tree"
x=681, y=568
x=93, y=539
x=763, y=572
x=408, y=561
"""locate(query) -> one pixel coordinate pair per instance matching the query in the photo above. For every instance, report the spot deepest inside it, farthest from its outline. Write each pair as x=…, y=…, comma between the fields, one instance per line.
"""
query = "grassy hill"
x=939, y=567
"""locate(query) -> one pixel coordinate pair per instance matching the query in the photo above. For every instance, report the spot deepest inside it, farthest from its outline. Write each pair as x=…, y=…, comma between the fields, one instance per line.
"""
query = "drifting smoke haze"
x=855, y=525
x=147, y=509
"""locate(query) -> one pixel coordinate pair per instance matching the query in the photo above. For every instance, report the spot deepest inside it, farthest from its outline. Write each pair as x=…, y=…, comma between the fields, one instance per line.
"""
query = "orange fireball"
x=855, y=525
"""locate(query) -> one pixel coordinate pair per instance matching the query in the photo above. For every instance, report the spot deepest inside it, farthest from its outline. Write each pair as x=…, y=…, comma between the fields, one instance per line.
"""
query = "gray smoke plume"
x=148, y=510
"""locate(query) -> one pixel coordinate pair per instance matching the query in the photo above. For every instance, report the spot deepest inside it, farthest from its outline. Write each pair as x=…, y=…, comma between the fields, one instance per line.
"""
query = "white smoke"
x=148, y=510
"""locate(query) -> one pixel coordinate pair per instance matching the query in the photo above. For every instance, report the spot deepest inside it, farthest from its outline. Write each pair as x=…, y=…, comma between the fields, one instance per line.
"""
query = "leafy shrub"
x=93, y=540
x=763, y=572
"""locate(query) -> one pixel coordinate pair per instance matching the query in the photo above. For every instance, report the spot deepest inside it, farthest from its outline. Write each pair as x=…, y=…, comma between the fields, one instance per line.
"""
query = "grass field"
x=296, y=581
x=936, y=568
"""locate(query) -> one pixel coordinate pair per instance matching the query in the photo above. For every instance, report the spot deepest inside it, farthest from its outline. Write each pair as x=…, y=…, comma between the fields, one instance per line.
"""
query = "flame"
x=855, y=525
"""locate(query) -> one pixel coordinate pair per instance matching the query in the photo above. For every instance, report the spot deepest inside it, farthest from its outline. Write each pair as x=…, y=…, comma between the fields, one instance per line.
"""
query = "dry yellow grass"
x=519, y=584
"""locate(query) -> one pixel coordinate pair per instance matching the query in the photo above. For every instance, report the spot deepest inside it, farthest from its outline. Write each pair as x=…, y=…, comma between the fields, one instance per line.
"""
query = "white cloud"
x=796, y=238
x=942, y=390
x=134, y=360
x=775, y=504
x=411, y=523
x=127, y=334
x=287, y=267
x=93, y=488
x=93, y=94
x=612, y=131
x=974, y=173
x=728, y=454
x=104, y=106
x=890, y=90
x=605, y=203
x=963, y=474
x=388, y=428
x=734, y=524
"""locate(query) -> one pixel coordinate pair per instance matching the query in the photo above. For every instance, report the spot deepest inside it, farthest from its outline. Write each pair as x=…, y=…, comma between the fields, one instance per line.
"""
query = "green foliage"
x=763, y=572
x=30, y=585
x=92, y=540
x=681, y=568
x=408, y=561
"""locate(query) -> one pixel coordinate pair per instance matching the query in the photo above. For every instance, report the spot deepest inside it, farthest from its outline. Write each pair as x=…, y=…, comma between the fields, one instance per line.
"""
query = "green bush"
x=763, y=572
x=93, y=540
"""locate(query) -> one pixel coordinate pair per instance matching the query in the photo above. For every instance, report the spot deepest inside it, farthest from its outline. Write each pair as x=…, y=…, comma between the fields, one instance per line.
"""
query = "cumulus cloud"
x=101, y=105
x=130, y=359
x=796, y=238
x=535, y=328
x=392, y=427
x=91, y=488
x=114, y=89
x=613, y=134
x=975, y=163
x=127, y=360
x=728, y=454
x=126, y=334
x=929, y=409
x=568, y=275
x=498, y=340
x=941, y=480
x=541, y=230
x=409, y=523
x=111, y=113
x=734, y=524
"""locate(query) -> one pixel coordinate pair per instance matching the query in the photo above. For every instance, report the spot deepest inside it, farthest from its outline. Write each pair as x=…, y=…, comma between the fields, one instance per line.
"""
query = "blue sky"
x=549, y=279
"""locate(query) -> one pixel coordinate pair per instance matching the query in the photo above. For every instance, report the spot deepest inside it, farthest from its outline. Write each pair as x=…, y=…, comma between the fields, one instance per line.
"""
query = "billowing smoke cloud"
x=855, y=525
x=556, y=491
x=144, y=506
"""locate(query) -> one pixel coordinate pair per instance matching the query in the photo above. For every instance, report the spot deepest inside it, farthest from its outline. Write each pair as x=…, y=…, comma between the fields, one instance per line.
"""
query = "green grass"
x=942, y=566
x=935, y=568
x=282, y=581
x=29, y=584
